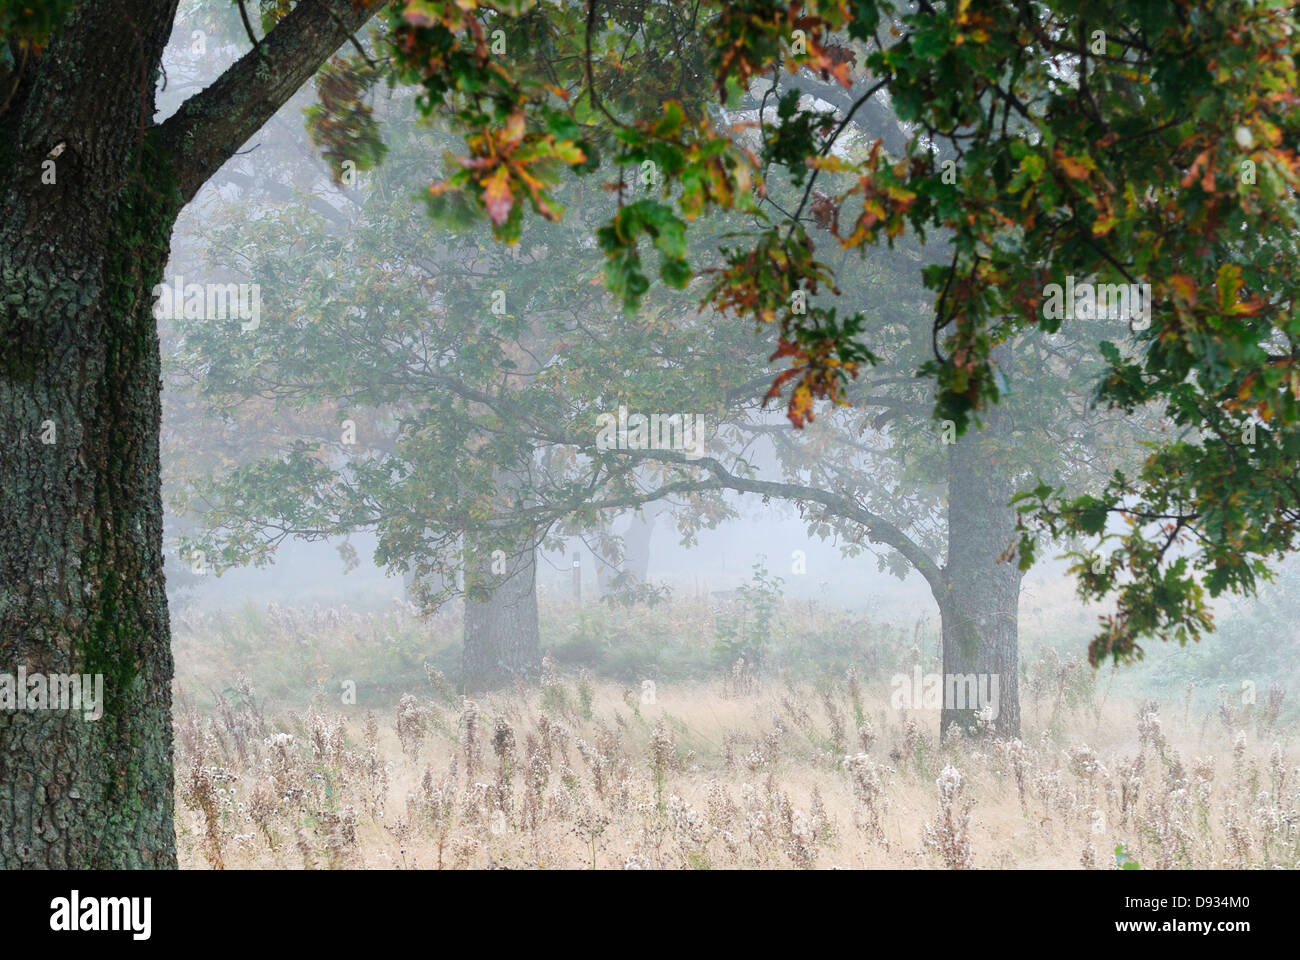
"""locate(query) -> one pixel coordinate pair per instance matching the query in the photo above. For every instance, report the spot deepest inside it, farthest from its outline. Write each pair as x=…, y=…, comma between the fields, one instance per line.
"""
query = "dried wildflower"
x=441, y=688
x=1149, y=728
x=469, y=735
x=801, y=842
x=688, y=823
x=949, y=837
x=818, y=820
x=866, y=735
x=410, y=726
x=662, y=751
x=1088, y=859
x=201, y=793
x=1083, y=762
x=839, y=741
x=722, y=811
x=868, y=791
x=503, y=743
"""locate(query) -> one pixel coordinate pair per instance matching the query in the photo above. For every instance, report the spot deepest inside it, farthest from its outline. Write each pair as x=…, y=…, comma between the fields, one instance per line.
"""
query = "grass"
x=796, y=764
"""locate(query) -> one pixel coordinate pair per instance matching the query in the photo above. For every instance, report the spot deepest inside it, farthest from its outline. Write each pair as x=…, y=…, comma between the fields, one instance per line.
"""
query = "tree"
x=93, y=185
x=1068, y=149
x=495, y=357
x=1144, y=150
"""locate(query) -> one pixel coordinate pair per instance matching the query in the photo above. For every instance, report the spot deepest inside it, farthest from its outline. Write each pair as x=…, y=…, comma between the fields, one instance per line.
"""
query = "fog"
x=640, y=468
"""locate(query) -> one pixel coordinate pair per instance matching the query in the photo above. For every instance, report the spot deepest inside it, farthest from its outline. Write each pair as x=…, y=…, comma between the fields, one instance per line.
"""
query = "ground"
x=774, y=768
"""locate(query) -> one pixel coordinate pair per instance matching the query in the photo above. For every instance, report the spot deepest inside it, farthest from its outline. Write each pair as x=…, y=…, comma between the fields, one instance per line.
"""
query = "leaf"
x=1184, y=288
x=1092, y=514
x=1076, y=168
x=497, y=196
x=1228, y=282
x=670, y=124
x=421, y=13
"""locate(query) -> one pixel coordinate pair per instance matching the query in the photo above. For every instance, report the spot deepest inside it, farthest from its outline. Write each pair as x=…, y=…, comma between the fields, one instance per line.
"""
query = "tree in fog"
x=473, y=353
x=1161, y=149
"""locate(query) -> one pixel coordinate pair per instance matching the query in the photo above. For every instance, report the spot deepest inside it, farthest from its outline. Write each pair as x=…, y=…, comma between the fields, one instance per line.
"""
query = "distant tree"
x=1125, y=145
x=483, y=357
x=1120, y=142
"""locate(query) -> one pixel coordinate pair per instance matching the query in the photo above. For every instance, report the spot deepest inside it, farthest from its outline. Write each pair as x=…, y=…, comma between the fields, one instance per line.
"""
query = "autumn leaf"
x=1076, y=168
x=1184, y=288
x=1228, y=281
x=497, y=196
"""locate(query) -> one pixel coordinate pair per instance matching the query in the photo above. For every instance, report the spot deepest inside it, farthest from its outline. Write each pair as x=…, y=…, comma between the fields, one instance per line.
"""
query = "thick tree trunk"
x=980, y=606
x=81, y=552
x=81, y=583
x=502, y=641
x=91, y=191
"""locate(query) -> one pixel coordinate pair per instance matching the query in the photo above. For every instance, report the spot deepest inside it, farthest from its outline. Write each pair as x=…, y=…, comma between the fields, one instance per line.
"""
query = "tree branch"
x=879, y=530
x=210, y=126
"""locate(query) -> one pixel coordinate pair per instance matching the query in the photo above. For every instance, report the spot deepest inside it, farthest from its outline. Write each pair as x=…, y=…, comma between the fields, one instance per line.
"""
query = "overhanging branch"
x=879, y=530
x=210, y=126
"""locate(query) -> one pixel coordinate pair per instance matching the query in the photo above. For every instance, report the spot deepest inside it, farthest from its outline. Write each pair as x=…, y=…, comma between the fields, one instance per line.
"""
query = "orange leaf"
x=1184, y=288
x=1076, y=168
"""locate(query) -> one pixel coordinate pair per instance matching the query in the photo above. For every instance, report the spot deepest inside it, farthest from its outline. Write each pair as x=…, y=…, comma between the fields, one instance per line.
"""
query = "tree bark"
x=81, y=586
x=502, y=639
x=980, y=603
x=81, y=565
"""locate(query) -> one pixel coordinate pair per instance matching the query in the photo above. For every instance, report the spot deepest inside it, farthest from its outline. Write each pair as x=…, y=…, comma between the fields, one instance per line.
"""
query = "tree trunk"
x=636, y=542
x=81, y=507
x=636, y=549
x=92, y=189
x=502, y=641
x=980, y=608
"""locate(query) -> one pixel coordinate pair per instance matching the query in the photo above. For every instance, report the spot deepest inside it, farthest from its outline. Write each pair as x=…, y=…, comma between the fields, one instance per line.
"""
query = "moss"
x=114, y=642
x=24, y=295
x=110, y=648
x=146, y=213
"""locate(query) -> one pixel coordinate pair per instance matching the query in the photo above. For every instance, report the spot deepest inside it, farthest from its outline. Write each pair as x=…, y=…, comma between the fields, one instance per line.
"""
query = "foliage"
x=748, y=629
x=1124, y=143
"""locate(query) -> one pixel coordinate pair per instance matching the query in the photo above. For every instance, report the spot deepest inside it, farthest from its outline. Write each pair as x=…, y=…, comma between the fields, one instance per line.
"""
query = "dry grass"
x=732, y=774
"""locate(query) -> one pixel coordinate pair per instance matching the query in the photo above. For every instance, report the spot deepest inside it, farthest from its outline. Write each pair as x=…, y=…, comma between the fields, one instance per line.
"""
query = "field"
x=333, y=739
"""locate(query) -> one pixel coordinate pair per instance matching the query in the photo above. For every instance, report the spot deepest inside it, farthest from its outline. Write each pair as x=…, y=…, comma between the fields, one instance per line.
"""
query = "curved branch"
x=212, y=125
x=879, y=530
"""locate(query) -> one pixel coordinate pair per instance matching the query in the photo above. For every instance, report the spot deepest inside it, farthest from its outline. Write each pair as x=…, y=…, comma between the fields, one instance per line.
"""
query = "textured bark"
x=502, y=641
x=981, y=600
x=81, y=555
x=81, y=587
x=81, y=567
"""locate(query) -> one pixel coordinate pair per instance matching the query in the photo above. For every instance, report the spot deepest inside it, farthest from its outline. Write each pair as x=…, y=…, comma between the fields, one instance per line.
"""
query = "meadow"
x=329, y=738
